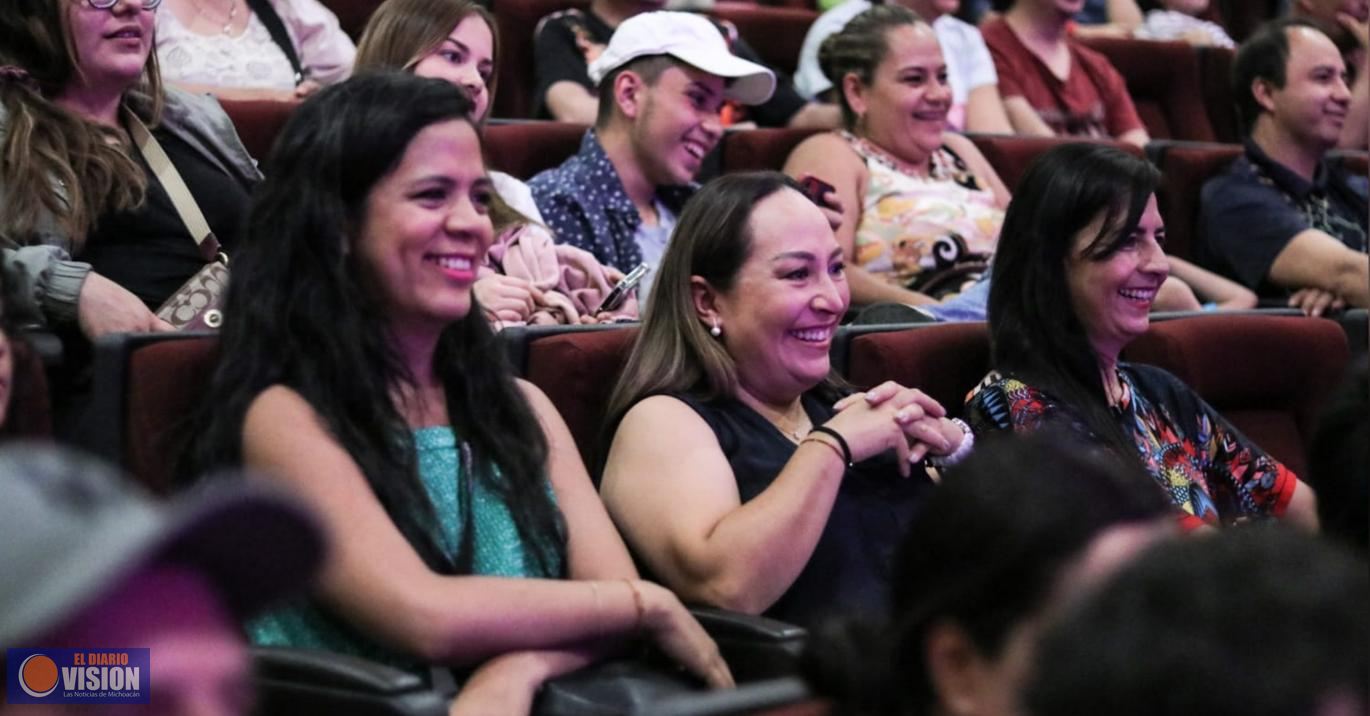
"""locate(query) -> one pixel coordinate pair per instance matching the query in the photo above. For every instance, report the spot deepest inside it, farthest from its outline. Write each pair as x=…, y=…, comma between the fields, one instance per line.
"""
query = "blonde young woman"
x=529, y=278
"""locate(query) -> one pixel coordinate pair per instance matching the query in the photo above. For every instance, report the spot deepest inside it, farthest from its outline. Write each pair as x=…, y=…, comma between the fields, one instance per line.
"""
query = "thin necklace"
x=790, y=429
x=232, y=15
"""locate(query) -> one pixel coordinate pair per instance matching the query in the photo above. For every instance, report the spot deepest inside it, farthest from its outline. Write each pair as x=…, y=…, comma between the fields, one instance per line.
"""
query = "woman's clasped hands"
x=890, y=416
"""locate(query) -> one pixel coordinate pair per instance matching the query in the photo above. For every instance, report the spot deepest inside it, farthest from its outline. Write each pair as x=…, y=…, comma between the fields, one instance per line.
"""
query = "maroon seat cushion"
x=1184, y=169
x=526, y=148
x=1163, y=80
x=1011, y=155
x=258, y=121
x=578, y=370
x=1269, y=375
x=946, y=360
x=165, y=382
x=760, y=149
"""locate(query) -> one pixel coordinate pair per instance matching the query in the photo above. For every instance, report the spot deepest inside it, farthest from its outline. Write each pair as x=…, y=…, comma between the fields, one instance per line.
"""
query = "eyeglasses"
x=107, y=4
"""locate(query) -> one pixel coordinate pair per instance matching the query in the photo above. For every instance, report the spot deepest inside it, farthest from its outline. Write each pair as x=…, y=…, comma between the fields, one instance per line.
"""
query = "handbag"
x=198, y=303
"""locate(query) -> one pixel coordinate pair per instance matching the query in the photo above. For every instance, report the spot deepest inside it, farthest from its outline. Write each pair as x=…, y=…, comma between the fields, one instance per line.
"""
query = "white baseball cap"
x=692, y=39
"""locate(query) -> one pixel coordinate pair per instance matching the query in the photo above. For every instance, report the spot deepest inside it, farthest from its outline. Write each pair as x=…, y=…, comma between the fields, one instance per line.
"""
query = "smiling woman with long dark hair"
x=1080, y=262
x=358, y=372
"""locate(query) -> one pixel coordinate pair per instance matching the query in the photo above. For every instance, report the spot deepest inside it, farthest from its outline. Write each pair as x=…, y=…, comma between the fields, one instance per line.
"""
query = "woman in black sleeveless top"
x=738, y=471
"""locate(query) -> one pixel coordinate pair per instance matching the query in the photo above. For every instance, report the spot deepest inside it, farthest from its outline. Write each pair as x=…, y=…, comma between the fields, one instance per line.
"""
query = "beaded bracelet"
x=961, y=451
x=846, y=449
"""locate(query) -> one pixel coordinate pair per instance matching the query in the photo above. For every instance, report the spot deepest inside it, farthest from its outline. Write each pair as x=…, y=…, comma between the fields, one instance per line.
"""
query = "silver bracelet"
x=961, y=451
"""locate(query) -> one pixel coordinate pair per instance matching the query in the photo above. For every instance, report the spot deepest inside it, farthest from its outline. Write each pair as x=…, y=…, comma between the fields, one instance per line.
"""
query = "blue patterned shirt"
x=586, y=206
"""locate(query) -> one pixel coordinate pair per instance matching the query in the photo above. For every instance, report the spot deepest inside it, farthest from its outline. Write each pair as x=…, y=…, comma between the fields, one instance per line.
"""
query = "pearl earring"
x=716, y=331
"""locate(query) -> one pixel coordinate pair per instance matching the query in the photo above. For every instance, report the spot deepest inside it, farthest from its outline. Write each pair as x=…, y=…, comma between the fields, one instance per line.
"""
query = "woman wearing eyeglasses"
x=91, y=239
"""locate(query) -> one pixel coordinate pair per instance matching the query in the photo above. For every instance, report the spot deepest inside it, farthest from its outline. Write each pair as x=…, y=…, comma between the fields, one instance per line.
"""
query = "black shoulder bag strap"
x=267, y=14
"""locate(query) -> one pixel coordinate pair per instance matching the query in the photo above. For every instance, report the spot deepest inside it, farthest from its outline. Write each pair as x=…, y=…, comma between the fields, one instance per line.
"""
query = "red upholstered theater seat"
x=1184, y=169
x=776, y=33
x=1215, y=77
x=1010, y=155
x=1357, y=162
x=165, y=380
x=29, y=414
x=944, y=360
x=517, y=20
x=1163, y=79
x=258, y=121
x=352, y=14
x=759, y=149
x=1242, y=17
x=1269, y=375
x=578, y=369
x=523, y=149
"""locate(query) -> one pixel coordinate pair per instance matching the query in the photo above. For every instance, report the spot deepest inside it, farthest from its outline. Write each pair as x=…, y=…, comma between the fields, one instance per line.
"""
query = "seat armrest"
x=290, y=680
x=724, y=623
x=754, y=647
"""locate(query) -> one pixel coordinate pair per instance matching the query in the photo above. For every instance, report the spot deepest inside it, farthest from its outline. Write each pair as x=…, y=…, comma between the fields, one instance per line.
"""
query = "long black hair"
x=985, y=554
x=301, y=313
x=1035, y=333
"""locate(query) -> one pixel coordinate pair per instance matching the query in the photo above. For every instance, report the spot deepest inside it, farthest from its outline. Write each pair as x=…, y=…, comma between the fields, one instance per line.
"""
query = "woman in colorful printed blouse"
x=1079, y=264
x=360, y=375
x=919, y=203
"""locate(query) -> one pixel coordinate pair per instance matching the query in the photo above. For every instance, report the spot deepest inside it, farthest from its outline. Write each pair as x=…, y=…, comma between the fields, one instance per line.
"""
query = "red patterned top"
x=1212, y=473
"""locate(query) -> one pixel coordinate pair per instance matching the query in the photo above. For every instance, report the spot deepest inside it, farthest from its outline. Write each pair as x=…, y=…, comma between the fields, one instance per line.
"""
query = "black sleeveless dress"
x=850, y=570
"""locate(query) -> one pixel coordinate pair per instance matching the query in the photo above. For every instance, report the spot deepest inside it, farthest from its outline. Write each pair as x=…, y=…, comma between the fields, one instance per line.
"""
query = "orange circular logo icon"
x=38, y=675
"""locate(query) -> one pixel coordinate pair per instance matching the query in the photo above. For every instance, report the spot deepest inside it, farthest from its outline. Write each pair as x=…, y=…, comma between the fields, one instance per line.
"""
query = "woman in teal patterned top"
x=358, y=371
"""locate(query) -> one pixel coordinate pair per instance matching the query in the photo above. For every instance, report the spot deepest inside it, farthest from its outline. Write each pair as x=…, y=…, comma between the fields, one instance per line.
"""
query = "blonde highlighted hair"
x=55, y=162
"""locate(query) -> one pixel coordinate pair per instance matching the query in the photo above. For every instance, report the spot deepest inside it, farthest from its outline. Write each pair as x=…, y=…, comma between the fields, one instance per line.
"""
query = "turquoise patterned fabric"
x=499, y=551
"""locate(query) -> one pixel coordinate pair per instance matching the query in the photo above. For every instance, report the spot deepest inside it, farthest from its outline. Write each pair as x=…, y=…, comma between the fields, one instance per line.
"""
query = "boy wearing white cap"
x=662, y=81
x=567, y=41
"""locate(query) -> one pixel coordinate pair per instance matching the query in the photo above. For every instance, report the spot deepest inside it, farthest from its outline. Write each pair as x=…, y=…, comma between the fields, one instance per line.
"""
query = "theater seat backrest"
x=1011, y=155
x=578, y=370
x=1163, y=80
x=258, y=121
x=945, y=360
x=352, y=14
x=523, y=149
x=29, y=414
x=517, y=20
x=761, y=149
x=1242, y=17
x=1215, y=77
x=165, y=381
x=1269, y=375
x=776, y=33
x=1356, y=162
x=1184, y=169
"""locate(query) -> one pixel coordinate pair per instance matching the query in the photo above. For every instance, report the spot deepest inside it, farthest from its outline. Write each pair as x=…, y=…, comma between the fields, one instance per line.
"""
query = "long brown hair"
x=54, y=162
x=674, y=352
x=402, y=32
